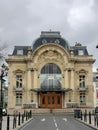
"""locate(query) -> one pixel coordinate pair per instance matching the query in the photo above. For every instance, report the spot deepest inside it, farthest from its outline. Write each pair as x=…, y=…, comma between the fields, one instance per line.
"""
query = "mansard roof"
x=55, y=38
x=78, y=47
x=50, y=37
x=24, y=48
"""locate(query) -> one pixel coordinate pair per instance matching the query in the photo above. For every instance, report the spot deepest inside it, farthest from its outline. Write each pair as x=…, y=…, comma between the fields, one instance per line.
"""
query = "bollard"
x=24, y=113
x=89, y=117
x=95, y=120
x=30, y=113
x=81, y=115
x=14, y=122
x=22, y=118
x=26, y=116
x=8, y=122
x=19, y=119
x=85, y=116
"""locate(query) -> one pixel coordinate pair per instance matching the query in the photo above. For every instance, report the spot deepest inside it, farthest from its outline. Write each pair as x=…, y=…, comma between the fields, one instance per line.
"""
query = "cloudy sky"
x=21, y=21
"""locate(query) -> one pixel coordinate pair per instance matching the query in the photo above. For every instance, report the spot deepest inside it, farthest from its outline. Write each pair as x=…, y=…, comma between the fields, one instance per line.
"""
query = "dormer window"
x=19, y=52
x=96, y=77
x=80, y=52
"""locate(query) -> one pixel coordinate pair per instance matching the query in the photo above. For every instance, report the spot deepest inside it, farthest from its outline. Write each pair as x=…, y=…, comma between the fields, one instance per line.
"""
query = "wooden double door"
x=50, y=100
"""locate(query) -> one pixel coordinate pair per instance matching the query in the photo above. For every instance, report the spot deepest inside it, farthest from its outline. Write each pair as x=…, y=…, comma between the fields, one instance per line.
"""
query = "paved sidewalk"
x=92, y=125
x=4, y=123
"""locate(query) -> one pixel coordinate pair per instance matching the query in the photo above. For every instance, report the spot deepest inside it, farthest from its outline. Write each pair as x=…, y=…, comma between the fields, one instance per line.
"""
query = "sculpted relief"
x=50, y=56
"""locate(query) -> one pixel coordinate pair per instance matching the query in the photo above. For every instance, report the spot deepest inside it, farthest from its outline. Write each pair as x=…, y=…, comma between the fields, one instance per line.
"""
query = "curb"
x=89, y=125
x=21, y=126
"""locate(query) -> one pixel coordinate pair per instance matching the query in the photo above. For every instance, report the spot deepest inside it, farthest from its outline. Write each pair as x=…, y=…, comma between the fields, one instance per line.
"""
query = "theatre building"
x=50, y=74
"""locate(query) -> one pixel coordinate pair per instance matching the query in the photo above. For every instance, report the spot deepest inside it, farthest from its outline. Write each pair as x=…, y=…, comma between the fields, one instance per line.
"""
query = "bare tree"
x=4, y=49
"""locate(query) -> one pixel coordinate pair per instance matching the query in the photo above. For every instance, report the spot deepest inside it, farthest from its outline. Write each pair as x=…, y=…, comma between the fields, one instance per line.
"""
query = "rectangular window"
x=96, y=85
x=80, y=52
x=18, y=81
x=82, y=98
x=82, y=81
x=96, y=77
x=97, y=94
x=18, y=98
x=19, y=52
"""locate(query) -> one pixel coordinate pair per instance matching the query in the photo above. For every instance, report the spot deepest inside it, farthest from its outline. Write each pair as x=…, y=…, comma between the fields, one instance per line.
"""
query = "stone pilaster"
x=35, y=84
x=66, y=79
x=29, y=85
x=72, y=84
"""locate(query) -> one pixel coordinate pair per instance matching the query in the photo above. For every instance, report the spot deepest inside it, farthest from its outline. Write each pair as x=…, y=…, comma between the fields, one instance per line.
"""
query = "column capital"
x=69, y=69
x=29, y=69
x=34, y=69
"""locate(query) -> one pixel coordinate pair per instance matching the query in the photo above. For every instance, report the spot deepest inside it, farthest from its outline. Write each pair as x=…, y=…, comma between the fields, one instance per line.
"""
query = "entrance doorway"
x=51, y=100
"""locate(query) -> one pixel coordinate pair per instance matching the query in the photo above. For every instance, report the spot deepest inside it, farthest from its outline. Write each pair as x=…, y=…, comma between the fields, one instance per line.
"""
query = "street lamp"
x=3, y=73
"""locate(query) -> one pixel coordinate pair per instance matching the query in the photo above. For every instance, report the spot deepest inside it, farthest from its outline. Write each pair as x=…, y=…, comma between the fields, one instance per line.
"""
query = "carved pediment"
x=18, y=71
x=50, y=55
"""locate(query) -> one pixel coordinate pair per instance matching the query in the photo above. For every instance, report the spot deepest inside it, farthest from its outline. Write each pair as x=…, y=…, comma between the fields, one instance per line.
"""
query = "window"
x=80, y=52
x=82, y=98
x=97, y=94
x=43, y=100
x=96, y=77
x=81, y=81
x=51, y=77
x=96, y=85
x=19, y=81
x=19, y=52
x=18, y=98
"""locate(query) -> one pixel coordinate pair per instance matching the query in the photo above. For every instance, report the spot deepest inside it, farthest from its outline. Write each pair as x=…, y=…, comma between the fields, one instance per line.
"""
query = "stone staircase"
x=42, y=111
x=46, y=110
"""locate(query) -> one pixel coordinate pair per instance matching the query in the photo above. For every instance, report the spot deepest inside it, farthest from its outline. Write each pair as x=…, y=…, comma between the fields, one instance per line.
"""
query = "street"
x=55, y=122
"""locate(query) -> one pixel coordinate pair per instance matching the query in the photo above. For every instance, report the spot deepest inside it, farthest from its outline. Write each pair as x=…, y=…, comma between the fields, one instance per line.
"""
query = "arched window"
x=50, y=69
x=50, y=77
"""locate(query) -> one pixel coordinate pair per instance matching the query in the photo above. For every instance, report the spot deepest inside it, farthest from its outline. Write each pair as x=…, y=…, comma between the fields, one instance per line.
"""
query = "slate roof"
x=50, y=37
x=78, y=47
x=24, y=48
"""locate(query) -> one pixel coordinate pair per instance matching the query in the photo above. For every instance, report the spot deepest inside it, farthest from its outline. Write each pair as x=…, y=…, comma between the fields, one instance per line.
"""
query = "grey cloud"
x=21, y=21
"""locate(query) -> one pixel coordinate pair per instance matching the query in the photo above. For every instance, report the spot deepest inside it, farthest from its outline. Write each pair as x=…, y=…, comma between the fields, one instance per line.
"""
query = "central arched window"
x=50, y=77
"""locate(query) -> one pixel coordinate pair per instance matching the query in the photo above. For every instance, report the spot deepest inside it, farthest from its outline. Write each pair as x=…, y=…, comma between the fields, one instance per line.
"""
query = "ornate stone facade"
x=26, y=75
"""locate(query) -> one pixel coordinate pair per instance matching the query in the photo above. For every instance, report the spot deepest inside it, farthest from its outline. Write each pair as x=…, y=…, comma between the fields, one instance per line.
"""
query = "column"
x=72, y=79
x=66, y=79
x=35, y=78
x=66, y=86
x=29, y=85
x=72, y=84
x=35, y=85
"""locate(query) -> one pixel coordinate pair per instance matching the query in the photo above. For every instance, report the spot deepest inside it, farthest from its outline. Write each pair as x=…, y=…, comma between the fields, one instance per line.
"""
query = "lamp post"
x=3, y=73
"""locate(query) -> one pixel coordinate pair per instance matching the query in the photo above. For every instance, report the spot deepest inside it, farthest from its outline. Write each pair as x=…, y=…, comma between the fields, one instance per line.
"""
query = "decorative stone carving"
x=50, y=56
